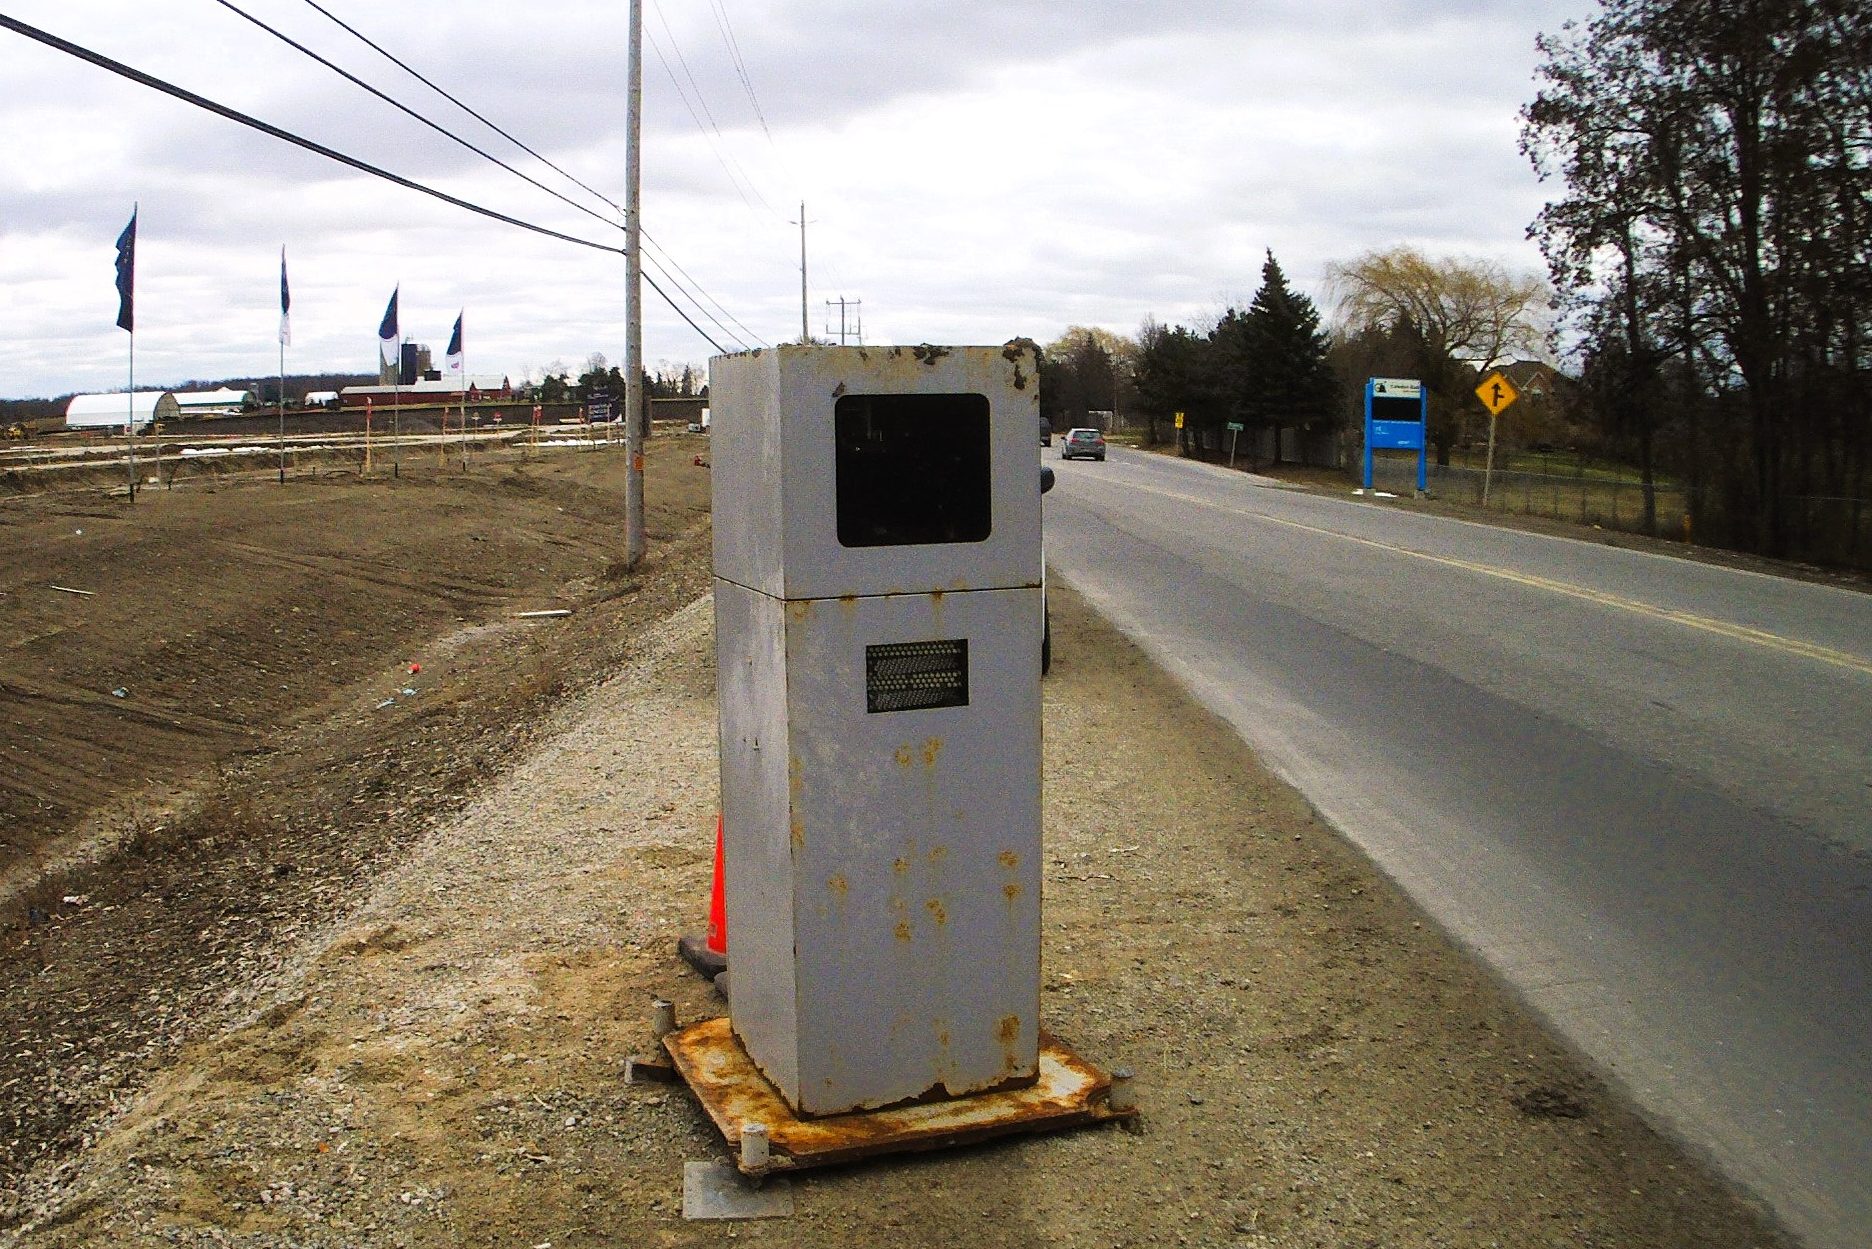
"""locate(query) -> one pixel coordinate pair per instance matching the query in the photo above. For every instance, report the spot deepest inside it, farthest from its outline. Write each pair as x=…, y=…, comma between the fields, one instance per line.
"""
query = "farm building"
x=482, y=388
x=113, y=411
x=321, y=399
x=223, y=402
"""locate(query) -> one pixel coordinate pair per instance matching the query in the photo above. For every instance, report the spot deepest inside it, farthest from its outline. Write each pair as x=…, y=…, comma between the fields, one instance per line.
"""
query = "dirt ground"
x=377, y=985
x=270, y=748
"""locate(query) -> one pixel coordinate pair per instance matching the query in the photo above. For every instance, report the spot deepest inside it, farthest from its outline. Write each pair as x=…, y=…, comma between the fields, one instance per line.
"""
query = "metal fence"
x=1608, y=502
x=1830, y=530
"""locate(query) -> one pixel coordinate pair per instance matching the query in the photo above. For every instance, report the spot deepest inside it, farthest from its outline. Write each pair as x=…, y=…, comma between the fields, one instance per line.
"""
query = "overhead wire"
x=726, y=332
x=523, y=146
x=368, y=42
x=740, y=66
x=286, y=136
x=671, y=260
x=725, y=26
x=740, y=183
x=704, y=117
x=674, y=307
x=235, y=115
x=407, y=111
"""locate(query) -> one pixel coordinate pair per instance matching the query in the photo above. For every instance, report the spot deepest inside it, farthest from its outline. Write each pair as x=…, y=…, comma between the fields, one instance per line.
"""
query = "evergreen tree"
x=1284, y=377
x=1170, y=367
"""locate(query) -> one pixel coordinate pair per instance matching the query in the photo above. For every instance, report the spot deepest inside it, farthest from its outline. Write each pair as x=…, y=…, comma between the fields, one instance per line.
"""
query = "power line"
x=692, y=299
x=649, y=259
x=406, y=68
x=202, y=102
x=651, y=282
x=725, y=26
x=450, y=135
x=742, y=184
x=451, y=98
x=699, y=288
x=740, y=66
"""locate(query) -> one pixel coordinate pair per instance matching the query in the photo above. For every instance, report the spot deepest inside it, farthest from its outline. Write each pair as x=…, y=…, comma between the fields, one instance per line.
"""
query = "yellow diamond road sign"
x=1496, y=393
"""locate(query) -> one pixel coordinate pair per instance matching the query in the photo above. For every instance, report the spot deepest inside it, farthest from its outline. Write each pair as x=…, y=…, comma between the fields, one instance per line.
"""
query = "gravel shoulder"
x=443, y=1062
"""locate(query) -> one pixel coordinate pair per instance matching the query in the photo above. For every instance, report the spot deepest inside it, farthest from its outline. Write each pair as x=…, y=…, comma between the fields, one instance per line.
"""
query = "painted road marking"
x=1722, y=628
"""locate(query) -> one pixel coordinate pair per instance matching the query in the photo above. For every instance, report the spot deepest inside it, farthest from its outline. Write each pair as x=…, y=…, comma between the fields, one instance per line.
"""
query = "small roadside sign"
x=1235, y=427
x=1179, y=419
x=1496, y=393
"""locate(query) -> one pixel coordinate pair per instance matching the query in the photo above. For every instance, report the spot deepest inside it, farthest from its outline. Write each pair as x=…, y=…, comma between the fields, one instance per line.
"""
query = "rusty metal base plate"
x=1069, y=1092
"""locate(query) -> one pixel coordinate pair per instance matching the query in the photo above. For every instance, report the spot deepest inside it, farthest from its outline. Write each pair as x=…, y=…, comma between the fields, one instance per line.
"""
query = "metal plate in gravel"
x=715, y=1190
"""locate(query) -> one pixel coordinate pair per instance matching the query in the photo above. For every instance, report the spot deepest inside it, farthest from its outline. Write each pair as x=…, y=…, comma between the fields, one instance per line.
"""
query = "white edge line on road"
x=1736, y=632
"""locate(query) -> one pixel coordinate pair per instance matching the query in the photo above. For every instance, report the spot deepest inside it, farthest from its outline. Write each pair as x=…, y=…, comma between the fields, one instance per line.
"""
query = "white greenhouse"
x=223, y=402
x=114, y=411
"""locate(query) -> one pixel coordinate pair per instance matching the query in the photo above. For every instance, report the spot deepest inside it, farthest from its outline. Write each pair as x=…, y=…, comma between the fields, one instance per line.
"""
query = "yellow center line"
x=1722, y=628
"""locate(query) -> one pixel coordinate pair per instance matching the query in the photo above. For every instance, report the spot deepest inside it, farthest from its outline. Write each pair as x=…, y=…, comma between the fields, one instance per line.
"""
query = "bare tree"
x=1471, y=309
x=1718, y=208
x=1463, y=315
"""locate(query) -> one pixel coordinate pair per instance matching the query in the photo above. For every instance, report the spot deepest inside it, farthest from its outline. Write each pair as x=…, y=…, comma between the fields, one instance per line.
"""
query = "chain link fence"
x=1828, y=530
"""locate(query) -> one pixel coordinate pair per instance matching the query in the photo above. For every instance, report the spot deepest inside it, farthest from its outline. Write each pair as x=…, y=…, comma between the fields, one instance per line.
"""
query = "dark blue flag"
x=285, y=305
x=454, y=357
x=387, y=347
x=126, y=276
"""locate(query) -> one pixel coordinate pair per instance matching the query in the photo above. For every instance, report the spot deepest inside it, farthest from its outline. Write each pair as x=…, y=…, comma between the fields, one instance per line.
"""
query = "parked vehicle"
x=1046, y=613
x=1046, y=432
x=1083, y=442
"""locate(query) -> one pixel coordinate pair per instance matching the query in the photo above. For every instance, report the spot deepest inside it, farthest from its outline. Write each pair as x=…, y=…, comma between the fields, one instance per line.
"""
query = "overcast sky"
x=973, y=171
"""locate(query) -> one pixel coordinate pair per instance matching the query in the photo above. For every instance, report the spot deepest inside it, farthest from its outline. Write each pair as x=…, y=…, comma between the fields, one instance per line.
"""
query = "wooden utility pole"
x=634, y=544
x=805, y=334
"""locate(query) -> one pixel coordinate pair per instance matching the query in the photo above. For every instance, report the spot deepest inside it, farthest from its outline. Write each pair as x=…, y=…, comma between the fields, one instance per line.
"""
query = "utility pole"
x=805, y=334
x=634, y=544
x=843, y=303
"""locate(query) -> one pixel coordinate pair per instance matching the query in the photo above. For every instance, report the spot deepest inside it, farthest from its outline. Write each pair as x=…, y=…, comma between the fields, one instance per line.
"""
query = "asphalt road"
x=1639, y=787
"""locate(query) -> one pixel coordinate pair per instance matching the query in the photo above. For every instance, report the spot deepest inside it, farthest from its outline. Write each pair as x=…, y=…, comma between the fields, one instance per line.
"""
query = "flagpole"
x=130, y=421
x=396, y=402
x=442, y=439
x=130, y=415
x=284, y=305
x=126, y=321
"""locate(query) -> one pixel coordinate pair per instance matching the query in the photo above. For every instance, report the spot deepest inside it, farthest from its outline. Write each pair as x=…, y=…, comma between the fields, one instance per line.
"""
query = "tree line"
x=1273, y=369
x=556, y=385
x=1709, y=254
x=1262, y=367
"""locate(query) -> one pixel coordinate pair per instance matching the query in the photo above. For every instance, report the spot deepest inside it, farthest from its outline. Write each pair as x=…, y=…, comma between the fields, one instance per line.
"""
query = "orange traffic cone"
x=718, y=904
x=709, y=955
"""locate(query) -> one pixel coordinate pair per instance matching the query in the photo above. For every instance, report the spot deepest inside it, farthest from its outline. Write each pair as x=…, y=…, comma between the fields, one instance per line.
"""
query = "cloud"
x=970, y=172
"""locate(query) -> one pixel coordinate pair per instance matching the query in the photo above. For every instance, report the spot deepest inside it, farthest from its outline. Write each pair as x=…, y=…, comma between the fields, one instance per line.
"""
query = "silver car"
x=1083, y=442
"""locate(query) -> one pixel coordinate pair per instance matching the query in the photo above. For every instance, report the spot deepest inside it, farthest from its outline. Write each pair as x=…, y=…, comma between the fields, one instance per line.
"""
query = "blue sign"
x=1396, y=436
x=1397, y=416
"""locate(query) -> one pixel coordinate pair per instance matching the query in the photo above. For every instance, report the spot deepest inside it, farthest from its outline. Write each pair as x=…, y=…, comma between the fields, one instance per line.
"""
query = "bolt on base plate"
x=1069, y=1092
